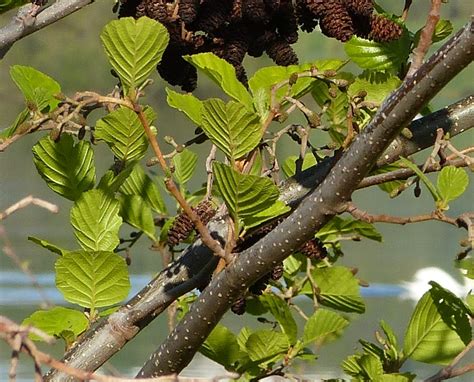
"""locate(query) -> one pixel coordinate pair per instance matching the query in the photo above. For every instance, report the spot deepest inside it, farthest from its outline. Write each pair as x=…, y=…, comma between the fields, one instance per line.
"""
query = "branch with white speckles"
x=197, y=262
x=315, y=210
x=19, y=27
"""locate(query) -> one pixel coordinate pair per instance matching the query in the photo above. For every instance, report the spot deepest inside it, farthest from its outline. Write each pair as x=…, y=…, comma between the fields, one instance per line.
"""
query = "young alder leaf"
x=96, y=221
x=223, y=74
x=134, y=48
x=231, y=127
x=38, y=88
x=336, y=107
x=92, y=279
x=397, y=377
x=47, y=245
x=139, y=183
x=351, y=365
x=136, y=212
x=56, y=322
x=11, y=130
x=186, y=103
x=389, y=333
x=289, y=165
x=371, y=366
x=339, y=289
x=111, y=182
x=388, y=187
x=439, y=328
x=221, y=346
x=244, y=195
x=337, y=227
x=378, y=56
x=264, y=345
x=67, y=169
x=442, y=30
x=467, y=264
x=280, y=310
x=184, y=165
x=321, y=324
x=452, y=182
x=432, y=189
x=378, y=85
x=123, y=133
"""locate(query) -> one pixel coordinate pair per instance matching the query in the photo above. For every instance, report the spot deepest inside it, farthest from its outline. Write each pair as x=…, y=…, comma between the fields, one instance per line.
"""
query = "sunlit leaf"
x=452, y=182
x=439, y=328
x=290, y=164
x=184, y=165
x=280, y=310
x=56, y=321
x=221, y=346
x=136, y=212
x=38, y=88
x=124, y=133
x=337, y=227
x=67, y=168
x=263, y=345
x=321, y=324
x=186, y=103
x=134, y=48
x=432, y=189
x=377, y=85
x=92, y=279
x=231, y=127
x=223, y=74
x=96, y=221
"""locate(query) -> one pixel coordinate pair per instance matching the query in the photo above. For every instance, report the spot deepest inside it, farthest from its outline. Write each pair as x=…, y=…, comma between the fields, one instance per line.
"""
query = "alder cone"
x=277, y=272
x=260, y=285
x=360, y=7
x=336, y=21
x=383, y=29
x=314, y=249
x=188, y=10
x=282, y=53
x=306, y=19
x=255, y=11
x=238, y=307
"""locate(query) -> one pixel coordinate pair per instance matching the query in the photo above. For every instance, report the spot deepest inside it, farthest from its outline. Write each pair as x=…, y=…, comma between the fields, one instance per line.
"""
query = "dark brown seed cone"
x=260, y=285
x=383, y=29
x=241, y=74
x=361, y=25
x=156, y=10
x=336, y=21
x=212, y=15
x=255, y=11
x=252, y=237
x=314, y=249
x=277, y=272
x=258, y=45
x=282, y=53
x=238, y=307
x=180, y=230
x=128, y=8
x=360, y=7
x=236, y=12
x=317, y=7
x=306, y=19
x=286, y=22
x=188, y=10
x=174, y=69
x=183, y=226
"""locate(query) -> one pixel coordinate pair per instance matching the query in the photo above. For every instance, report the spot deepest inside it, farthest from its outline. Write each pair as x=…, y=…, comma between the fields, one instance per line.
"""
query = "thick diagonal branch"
x=315, y=210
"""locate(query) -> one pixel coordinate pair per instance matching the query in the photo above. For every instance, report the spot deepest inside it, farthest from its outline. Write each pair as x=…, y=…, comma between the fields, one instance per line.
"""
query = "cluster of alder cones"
x=233, y=28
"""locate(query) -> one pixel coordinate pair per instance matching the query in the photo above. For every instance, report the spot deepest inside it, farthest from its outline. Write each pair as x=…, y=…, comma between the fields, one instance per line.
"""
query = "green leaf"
x=136, y=212
x=442, y=30
x=452, y=182
x=92, y=279
x=231, y=127
x=432, y=189
x=468, y=265
x=49, y=246
x=221, y=346
x=111, y=182
x=244, y=195
x=223, y=74
x=389, y=333
x=351, y=365
x=388, y=187
x=339, y=289
x=139, y=183
x=337, y=227
x=321, y=324
x=439, y=328
x=134, y=48
x=38, y=88
x=15, y=126
x=280, y=310
x=371, y=366
x=186, y=103
x=56, y=321
x=184, y=165
x=378, y=85
x=289, y=165
x=276, y=209
x=67, y=169
x=263, y=345
x=293, y=264
x=336, y=107
x=378, y=56
x=96, y=221
x=124, y=133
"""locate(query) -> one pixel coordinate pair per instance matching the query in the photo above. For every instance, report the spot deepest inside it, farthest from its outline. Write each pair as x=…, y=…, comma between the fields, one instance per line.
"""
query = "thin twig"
x=406, y=9
x=382, y=218
x=25, y=202
x=425, y=38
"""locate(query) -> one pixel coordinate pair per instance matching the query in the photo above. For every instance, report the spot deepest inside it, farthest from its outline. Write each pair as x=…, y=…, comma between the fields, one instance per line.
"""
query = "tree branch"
x=18, y=29
x=315, y=210
x=197, y=262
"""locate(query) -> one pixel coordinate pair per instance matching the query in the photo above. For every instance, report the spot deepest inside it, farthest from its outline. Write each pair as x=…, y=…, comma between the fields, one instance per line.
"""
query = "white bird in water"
x=413, y=290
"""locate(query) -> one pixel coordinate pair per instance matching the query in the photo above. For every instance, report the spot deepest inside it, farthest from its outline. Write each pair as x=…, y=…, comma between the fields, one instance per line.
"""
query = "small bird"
x=417, y=288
